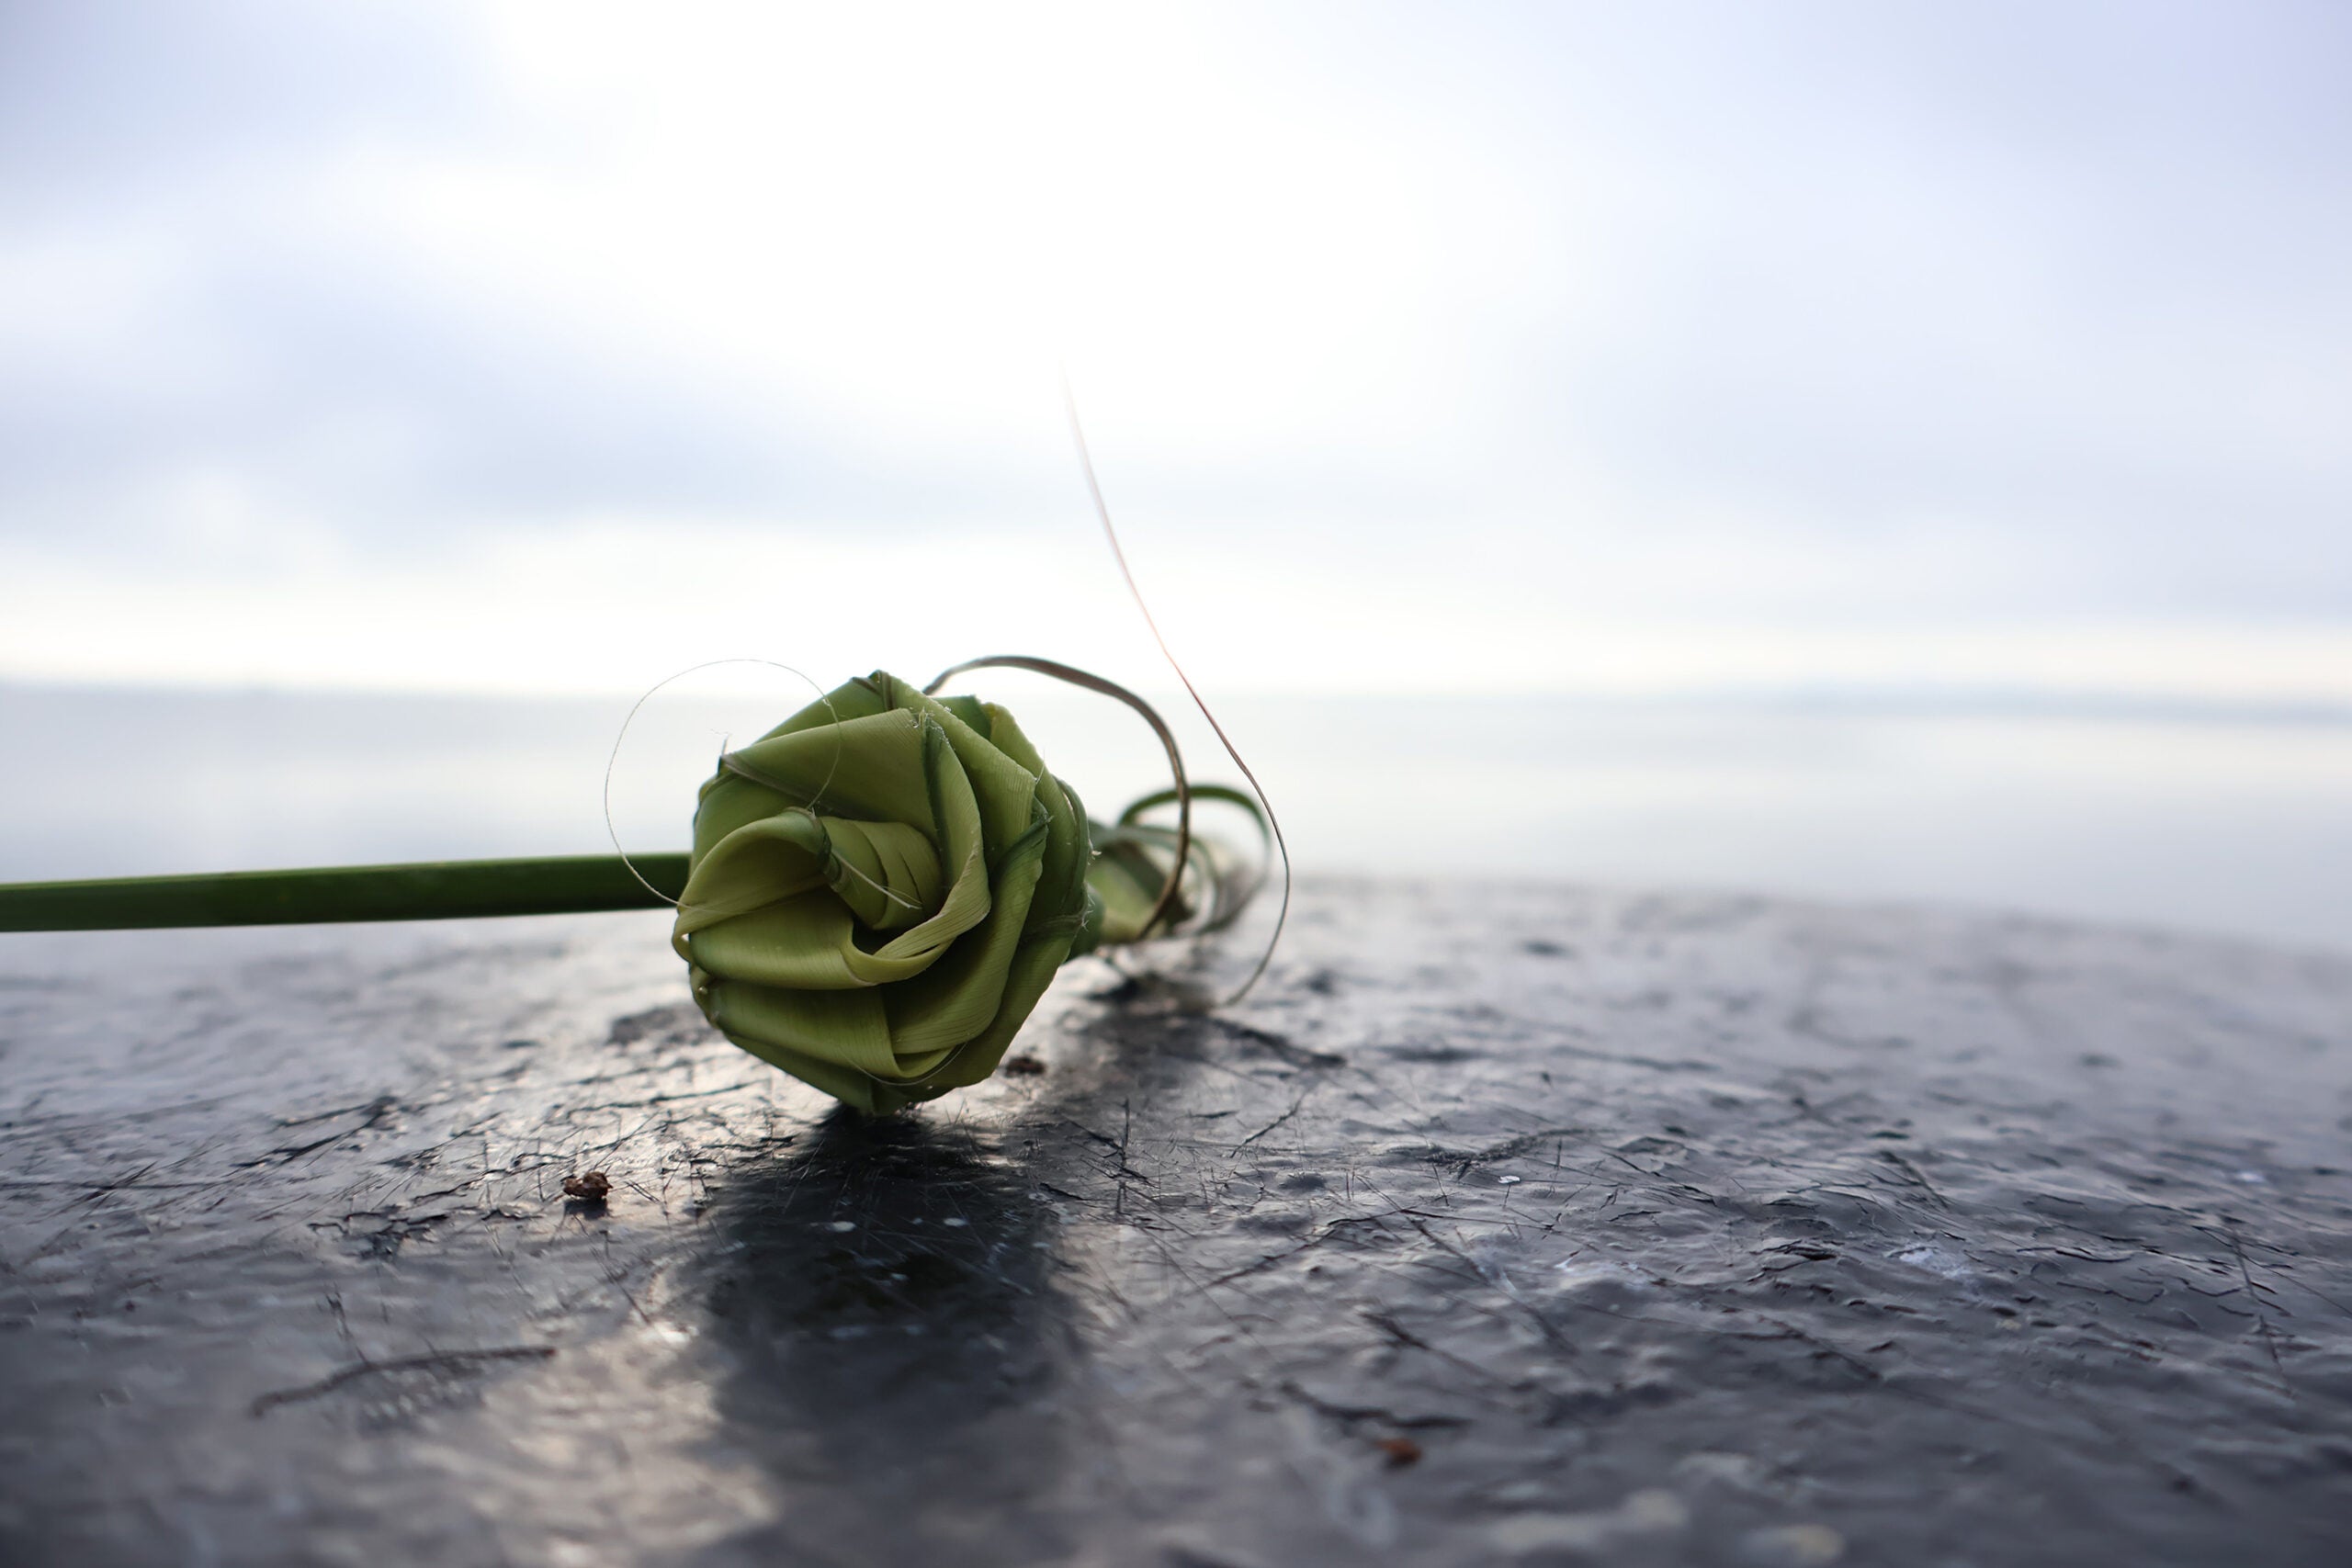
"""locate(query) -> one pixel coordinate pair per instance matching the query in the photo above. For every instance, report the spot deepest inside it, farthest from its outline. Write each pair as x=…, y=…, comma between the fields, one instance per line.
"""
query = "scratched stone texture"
x=1505, y=1224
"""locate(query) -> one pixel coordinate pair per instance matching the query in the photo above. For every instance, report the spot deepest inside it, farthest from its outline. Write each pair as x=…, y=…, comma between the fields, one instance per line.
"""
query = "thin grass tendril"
x=1091, y=682
x=1281, y=845
x=612, y=759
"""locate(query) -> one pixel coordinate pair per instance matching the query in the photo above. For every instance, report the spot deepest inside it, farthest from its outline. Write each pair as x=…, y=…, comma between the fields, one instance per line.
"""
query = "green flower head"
x=880, y=889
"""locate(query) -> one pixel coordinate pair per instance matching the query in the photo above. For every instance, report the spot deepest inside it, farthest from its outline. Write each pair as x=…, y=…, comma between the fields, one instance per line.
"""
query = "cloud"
x=1502, y=320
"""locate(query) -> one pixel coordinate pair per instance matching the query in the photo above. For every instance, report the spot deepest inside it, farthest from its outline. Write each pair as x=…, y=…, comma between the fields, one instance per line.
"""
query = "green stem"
x=437, y=890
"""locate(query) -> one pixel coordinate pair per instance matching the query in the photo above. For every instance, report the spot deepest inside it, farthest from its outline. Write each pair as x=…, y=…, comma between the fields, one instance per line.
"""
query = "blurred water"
x=2236, y=825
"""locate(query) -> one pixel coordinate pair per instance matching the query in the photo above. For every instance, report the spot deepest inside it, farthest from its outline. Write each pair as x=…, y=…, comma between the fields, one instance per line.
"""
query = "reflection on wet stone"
x=1701, y=1231
x=883, y=1295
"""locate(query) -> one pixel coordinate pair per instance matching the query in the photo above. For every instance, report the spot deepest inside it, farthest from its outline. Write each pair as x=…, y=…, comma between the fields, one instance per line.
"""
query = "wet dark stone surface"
x=1504, y=1226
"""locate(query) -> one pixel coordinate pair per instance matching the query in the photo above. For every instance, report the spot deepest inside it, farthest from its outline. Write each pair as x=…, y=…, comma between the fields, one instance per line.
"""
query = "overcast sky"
x=1626, y=346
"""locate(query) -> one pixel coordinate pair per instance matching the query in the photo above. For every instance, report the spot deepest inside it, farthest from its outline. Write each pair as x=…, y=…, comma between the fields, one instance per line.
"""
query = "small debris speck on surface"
x=591, y=1187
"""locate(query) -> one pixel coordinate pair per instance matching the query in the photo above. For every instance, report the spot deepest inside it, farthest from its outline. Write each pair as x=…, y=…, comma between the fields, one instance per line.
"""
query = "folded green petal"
x=869, y=767
x=1128, y=878
x=859, y=698
x=809, y=942
x=1062, y=883
x=846, y=1029
x=954, y=1001
x=1004, y=788
x=780, y=855
x=1032, y=969
x=887, y=873
x=881, y=889
x=962, y=854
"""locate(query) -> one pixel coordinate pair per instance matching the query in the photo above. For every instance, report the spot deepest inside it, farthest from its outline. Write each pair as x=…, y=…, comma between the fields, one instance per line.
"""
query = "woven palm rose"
x=880, y=889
